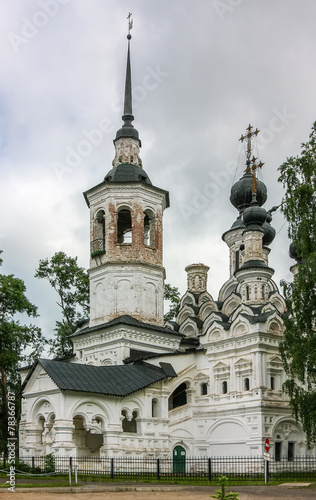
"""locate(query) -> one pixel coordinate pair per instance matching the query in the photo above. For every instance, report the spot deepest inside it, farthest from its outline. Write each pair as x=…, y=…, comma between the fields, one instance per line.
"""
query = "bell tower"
x=126, y=267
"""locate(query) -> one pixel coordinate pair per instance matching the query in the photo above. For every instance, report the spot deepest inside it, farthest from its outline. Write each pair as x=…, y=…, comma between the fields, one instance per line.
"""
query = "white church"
x=208, y=384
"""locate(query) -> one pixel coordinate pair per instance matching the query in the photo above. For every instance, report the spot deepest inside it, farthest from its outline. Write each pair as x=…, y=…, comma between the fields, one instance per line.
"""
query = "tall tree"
x=298, y=175
x=71, y=283
x=172, y=294
x=15, y=339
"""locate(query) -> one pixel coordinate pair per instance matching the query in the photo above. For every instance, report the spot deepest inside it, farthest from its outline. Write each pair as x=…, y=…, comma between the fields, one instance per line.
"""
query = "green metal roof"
x=114, y=380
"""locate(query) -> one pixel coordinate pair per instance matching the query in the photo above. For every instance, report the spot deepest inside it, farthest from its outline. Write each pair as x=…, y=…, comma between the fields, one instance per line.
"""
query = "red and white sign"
x=267, y=445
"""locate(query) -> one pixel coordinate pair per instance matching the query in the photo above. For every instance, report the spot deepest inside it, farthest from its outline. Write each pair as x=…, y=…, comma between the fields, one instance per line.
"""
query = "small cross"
x=252, y=165
x=130, y=22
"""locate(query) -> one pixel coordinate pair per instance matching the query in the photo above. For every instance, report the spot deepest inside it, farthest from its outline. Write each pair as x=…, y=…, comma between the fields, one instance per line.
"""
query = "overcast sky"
x=202, y=71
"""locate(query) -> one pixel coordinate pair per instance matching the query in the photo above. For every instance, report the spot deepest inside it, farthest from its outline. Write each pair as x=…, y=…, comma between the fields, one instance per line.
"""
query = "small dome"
x=241, y=192
x=254, y=215
x=126, y=172
x=238, y=224
x=269, y=233
x=127, y=131
x=293, y=253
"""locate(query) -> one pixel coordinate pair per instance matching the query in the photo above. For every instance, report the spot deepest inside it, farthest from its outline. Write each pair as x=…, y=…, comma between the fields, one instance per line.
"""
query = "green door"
x=179, y=459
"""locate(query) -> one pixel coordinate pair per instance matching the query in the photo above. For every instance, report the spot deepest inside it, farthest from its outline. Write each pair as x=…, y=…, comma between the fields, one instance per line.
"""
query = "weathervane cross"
x=130, y=23
x=252, y=165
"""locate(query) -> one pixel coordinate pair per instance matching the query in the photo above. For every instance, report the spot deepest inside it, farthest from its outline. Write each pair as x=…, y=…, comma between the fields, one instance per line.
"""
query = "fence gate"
x=179, y=459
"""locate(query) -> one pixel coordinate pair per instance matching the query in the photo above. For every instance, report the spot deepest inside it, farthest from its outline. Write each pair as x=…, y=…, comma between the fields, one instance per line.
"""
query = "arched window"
x=246, y=384
x=236, y=260
x=86, y=442
x=224, y=387
x=290, y=451
x=272, y=383
x=124, y=226
x=278, y=451
x=149, y=228
x=98, y=242
x=154, y=408
x=204, y=389
x=40, y=427
x=129, y=424
x=178, y=397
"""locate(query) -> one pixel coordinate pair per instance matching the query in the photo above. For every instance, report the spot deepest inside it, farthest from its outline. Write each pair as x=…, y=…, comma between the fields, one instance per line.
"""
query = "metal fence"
x=201, y=468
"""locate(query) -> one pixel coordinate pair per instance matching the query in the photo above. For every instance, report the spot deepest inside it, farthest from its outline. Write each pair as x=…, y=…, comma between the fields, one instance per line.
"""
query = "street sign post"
x=267, y=445
x=266, y=456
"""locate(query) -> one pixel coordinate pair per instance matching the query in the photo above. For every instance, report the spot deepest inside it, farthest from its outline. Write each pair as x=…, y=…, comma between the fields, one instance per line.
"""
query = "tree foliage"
x=298, y=350
x=71, y=283
x=15, y=338
x=172, y=294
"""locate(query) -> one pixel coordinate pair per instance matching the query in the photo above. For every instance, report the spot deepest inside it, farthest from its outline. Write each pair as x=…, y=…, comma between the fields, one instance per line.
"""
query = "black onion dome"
x=269, y=233
x=254, y=215
x=293, y=253
x=126, y=172
x=241, y=192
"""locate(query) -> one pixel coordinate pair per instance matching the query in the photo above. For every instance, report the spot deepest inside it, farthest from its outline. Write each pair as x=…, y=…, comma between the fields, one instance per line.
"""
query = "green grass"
x=61, y=480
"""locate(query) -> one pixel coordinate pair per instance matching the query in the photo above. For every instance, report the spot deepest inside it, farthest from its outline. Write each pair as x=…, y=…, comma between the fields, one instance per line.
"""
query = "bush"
x=50, y=463
x=221, y=494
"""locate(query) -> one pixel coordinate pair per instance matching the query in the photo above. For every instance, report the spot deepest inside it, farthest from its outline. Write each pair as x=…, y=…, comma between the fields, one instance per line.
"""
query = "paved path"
x=159, y=492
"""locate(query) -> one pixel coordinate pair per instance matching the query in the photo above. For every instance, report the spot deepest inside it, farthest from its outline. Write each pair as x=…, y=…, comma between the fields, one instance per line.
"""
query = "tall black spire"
x=128, y=85
x=128, y=129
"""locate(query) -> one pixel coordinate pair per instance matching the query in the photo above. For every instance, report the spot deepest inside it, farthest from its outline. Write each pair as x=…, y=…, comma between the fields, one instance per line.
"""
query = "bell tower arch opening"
x=98, y=236
x=124, y=227
x=149, y=228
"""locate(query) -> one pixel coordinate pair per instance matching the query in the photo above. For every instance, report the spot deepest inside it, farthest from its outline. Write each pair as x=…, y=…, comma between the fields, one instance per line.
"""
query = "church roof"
x=128, y=320
x=114, y=380
x=128, y=180
x=127, y=172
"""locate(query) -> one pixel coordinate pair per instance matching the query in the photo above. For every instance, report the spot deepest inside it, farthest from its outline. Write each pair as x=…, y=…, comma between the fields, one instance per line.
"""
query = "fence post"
x=209, y=469
x=70, y=470
x=33, y=464
x=266, y=471
x=112, y=468
x=4, y=461
x=158, y=469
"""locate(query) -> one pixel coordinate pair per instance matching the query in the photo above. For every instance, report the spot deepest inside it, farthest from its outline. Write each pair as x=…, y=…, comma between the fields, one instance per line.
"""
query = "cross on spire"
x=130, y=25
x=251, y=163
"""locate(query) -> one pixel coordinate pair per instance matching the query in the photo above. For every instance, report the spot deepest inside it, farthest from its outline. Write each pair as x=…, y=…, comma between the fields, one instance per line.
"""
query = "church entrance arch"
x=179, y=455
x=87, y=443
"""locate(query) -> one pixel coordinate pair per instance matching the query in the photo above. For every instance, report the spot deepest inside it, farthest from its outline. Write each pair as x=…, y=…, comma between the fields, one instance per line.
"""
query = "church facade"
x=207, y=384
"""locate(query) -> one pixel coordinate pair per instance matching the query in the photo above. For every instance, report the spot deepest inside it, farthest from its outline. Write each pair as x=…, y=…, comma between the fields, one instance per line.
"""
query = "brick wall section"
x=137, y=250
x=137, y=198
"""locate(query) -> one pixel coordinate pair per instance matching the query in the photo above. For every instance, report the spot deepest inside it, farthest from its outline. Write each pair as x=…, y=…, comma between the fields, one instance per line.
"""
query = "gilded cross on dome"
x=252, y=165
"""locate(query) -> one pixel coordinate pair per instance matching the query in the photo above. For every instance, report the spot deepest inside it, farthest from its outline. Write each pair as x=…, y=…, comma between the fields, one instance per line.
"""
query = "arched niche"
x=124, y=296
x=98, y=241
x=149, y=228
x=129, y=422
x=124, y=226
x=87, y=442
